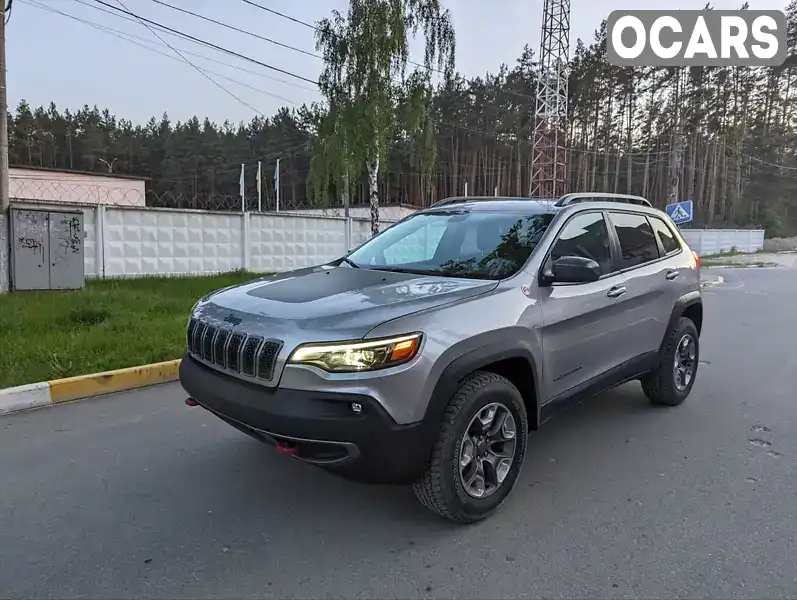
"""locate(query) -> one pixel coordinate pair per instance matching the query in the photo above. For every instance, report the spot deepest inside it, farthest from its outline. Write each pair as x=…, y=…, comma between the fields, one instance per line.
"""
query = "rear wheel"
x=673, y=379
x=479, y=451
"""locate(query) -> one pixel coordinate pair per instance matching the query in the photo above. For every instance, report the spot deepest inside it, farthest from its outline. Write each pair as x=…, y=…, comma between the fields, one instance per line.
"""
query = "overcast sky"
x=54, y=58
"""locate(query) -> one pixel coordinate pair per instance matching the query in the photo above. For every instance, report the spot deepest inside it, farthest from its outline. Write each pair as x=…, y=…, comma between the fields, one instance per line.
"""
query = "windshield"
x=455, y=243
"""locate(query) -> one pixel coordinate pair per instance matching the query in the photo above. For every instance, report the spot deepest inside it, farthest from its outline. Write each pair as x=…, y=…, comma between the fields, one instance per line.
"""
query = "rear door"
x=648, y=301
x=585, y=329
x=681, y=275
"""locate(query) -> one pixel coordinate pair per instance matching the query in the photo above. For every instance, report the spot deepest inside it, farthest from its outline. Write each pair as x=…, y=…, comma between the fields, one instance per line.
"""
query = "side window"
x=637, y=242
x=667, y=238
x=585, y=235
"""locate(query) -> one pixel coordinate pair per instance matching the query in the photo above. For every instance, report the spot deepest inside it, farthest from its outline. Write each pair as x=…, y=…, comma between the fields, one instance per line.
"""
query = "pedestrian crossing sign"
x=680, y=212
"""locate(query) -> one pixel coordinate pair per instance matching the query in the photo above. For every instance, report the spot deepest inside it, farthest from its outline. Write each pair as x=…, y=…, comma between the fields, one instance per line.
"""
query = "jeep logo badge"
x=232, y=319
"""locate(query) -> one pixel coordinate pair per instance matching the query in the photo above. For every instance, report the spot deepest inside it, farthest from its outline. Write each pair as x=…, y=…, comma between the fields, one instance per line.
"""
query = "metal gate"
x=47, y=248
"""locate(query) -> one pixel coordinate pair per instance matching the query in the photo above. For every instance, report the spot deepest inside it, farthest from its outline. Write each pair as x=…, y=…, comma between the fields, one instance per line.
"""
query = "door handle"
x=671, y=275
x=616, y=292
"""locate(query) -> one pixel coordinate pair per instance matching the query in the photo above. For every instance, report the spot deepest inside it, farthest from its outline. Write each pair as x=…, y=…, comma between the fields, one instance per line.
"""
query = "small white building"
x=43, y=184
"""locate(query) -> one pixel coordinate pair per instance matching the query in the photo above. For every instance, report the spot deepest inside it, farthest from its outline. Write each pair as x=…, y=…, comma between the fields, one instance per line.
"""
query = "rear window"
x=637, y=241
x=667, y=238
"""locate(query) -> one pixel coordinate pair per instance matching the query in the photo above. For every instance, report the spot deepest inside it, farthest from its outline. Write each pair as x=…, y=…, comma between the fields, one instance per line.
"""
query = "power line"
x=164, y=29
x=233, y=53
x=202, y=72
x=316, y=28
x=123, y=35
x=233, y=28
x=309, y=25
x=202, y=56
x=483, y=133
x=204, y=42
x=278, y=43
x=279, y=14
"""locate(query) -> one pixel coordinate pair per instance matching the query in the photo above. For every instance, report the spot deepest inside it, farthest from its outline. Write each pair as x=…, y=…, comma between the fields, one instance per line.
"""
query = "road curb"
x=58, y=391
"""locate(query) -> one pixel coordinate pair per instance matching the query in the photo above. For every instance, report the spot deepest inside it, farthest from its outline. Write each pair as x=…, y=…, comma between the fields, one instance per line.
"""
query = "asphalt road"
x=139, y=496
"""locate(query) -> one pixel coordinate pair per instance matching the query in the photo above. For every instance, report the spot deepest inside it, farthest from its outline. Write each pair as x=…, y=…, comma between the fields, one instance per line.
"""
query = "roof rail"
x=454, y=199
x=577, y=197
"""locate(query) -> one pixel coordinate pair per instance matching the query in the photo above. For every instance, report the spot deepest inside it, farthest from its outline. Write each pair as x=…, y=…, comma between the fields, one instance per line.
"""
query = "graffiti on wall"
x=31, y=228
x=68, y=239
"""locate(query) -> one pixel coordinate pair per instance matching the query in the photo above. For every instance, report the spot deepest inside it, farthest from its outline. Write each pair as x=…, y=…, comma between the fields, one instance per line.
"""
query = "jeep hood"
x=333, y=302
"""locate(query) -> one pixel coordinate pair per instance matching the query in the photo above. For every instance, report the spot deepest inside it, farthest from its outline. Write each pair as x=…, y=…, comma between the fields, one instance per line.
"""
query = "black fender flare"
x=689, y=299
x=475, y=360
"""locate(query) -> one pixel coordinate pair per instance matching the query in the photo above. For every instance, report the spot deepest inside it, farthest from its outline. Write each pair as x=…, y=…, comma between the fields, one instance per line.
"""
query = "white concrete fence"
x=716, y=241
x=124, y=241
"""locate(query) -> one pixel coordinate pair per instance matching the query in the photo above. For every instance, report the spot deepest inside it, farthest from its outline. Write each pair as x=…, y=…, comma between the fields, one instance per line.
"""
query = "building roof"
x=79, y=172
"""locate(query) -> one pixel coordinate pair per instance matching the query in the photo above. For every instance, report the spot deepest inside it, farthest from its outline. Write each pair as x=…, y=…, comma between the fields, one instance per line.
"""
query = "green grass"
x=110, y=324
x=725, y=263
x=712, y=263
x=723, y=254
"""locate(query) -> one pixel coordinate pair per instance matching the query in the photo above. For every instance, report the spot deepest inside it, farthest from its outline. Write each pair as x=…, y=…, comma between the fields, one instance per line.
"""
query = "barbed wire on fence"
x=79, y=190
x=49, y=189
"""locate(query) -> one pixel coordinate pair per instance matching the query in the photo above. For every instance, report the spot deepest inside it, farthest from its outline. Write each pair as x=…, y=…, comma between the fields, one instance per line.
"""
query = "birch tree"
x=364, y=83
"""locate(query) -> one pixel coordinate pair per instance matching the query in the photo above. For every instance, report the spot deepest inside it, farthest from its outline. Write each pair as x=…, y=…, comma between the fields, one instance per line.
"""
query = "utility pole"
x=277, y=184
x=5, y=220
x=676, y=152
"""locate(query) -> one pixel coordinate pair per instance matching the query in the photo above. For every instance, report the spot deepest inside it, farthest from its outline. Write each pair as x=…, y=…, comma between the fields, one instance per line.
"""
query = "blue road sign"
x=680, y=212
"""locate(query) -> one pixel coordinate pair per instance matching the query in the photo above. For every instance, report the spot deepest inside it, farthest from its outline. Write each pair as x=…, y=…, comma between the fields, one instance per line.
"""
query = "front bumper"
x=321, y=427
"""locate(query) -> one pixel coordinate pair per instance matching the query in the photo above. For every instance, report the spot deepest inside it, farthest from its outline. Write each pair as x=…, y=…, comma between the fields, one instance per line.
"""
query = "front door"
x=584, y=324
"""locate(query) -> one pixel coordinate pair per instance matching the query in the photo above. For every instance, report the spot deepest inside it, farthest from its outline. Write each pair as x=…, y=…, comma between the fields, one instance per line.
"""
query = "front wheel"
x=479, y=451
x=673, y=379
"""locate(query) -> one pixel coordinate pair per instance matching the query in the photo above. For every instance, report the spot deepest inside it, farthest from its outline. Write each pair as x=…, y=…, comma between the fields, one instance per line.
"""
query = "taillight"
x=697, y=258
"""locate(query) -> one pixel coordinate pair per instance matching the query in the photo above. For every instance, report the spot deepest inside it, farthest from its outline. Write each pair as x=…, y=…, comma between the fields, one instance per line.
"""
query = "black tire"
x=660, y=385
x=440, y=488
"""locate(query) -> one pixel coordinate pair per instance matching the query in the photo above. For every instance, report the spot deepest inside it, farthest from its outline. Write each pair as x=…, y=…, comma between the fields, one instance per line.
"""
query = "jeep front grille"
x=234, y=351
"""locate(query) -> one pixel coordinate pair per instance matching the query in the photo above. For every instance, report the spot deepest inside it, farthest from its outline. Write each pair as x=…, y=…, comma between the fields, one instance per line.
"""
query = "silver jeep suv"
x=426, y=355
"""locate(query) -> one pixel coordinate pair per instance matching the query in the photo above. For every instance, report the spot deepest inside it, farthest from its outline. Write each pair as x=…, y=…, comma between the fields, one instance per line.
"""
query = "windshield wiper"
x=350, y=262
x=459, y=275
x=400, y=270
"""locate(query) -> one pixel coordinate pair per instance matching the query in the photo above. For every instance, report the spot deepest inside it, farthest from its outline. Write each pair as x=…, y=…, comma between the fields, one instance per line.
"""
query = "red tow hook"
x=191, y=402
x=284, y=448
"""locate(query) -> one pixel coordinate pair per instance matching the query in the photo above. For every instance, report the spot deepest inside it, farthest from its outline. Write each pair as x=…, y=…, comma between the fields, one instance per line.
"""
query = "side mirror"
x=574, y=269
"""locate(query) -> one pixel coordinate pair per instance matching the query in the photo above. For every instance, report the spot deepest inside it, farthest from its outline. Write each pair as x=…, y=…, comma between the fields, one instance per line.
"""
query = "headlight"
x=349, y=357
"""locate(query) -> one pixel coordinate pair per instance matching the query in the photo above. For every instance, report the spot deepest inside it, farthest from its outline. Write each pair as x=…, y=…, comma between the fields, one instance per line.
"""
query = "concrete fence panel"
x=126, y=241
x=716, y=241
x=282, y=242
x=170, y=242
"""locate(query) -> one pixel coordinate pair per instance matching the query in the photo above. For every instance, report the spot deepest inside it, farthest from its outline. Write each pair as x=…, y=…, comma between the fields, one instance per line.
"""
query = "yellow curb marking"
x=85, y=386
